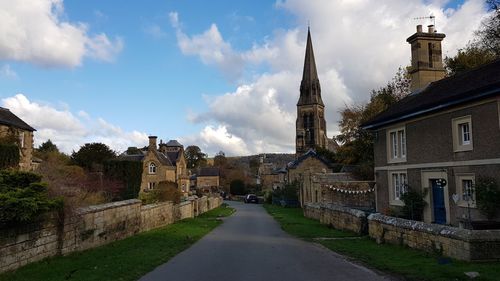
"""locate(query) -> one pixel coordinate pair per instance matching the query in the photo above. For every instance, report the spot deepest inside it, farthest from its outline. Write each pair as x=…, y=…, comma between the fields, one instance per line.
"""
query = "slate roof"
x=173, y=156
x=132, y=157
x=479, y=83
x=173, y=143
x=310, y=153
x=208, y=172
x=10, y=119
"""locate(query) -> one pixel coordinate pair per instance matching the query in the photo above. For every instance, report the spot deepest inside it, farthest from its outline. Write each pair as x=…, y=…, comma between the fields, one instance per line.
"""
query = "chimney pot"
x=152, y=142
x=419, y=28
x=431, y=28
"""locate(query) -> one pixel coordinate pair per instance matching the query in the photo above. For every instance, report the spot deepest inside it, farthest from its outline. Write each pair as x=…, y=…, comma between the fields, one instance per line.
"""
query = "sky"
x=223, y=75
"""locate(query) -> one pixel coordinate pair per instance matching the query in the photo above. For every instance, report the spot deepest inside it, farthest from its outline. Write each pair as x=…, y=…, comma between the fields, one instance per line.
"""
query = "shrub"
x=165, y=191
x=487, y=196
x=130, y=172
x=23, y=197
x=413, y=208
x=237, y=187
x=9, y=156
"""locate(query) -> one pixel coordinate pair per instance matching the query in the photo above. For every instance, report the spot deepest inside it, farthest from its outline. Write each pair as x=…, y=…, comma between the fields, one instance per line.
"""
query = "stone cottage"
x=13, y=126
x=165, y=162
x=441, y=138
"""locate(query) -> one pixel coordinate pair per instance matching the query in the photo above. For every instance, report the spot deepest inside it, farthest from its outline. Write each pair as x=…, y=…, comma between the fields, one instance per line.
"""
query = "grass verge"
x=127, y=259
x=408, y=263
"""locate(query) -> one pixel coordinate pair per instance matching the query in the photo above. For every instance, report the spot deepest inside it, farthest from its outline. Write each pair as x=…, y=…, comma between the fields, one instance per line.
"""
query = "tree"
x=195, y=158
x=485, y=46
x=237, y=187
x=48, y=146
x=220, y=159
x=357, y=144
x=92, y=156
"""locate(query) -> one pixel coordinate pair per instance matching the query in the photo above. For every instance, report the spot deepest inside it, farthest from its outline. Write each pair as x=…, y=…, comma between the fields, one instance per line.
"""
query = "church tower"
x=311, y=124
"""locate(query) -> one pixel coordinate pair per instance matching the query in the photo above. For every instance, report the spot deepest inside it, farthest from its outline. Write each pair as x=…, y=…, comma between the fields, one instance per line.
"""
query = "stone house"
x=441, y=138
x=165, y=162
x=11, y=125
x=302, y=168
x=208, y=178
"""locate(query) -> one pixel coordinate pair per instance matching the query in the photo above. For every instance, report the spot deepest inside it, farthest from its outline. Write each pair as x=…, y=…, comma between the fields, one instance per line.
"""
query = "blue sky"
x=223, y=75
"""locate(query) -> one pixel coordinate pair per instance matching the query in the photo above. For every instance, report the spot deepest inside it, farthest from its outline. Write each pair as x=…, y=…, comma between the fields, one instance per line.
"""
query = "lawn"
x=398, y=260
x=127, y=259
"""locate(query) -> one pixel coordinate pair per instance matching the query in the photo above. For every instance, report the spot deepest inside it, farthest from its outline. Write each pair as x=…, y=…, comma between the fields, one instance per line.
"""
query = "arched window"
x=152, y=168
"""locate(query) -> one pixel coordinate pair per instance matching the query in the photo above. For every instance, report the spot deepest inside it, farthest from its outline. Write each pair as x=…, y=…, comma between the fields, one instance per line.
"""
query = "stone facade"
x=462, y=244
x=431, y=158
x=91, y=227
x=25, y=142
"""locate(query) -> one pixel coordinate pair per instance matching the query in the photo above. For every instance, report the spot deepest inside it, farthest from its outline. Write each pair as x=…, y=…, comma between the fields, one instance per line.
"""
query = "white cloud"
x=7, y=72
x=155, y=31
x=358, y=46
x=37, y=32
x=68, y=130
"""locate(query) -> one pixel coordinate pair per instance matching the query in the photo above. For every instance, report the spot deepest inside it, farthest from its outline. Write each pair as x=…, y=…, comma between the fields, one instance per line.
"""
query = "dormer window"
x=152, y=168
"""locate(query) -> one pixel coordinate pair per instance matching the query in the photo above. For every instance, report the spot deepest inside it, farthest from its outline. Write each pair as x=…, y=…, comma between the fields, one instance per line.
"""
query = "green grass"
x=127, y=259
x=398, y=260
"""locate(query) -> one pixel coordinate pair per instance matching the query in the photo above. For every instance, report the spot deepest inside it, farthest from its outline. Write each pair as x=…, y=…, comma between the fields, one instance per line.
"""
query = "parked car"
x=251, y=198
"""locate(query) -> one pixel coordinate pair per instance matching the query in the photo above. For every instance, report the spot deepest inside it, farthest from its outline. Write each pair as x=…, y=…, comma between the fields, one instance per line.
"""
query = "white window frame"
x=151, y=185
x=21, y=139
x=152, y=168
x=460, y=179
x=396, y=145
x=398, y=185
x=460, y=143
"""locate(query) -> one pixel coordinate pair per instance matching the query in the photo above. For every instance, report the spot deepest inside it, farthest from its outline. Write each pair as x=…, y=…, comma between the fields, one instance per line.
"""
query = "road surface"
x=250, y=245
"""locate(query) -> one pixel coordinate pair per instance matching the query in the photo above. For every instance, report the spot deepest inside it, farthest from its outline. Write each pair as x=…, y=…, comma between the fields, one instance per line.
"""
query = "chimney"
x=426, y=58
x=152, y=142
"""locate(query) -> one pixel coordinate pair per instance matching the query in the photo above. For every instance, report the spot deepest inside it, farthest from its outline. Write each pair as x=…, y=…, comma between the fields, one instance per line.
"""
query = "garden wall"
x=338, y=217
x=462, y=244
x=91, y=227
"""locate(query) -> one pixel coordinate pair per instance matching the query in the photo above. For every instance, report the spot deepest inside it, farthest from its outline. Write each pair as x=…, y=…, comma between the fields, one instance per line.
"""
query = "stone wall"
x=91, y=227
x=462, y=244
x=338, y=217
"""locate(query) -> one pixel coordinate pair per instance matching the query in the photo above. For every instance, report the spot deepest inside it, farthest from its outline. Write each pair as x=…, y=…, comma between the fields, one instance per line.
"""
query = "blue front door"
x=438, y=203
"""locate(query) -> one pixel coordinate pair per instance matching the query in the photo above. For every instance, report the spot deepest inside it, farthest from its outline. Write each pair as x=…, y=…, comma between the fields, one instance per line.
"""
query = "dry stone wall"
x=338, y=217
x=462, y=244
x=91, y=227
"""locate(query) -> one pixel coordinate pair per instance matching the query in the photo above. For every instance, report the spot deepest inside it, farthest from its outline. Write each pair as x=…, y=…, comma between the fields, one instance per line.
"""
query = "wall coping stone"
x=155, y=205
x=102, y=207
x=436, y=229
x=329, y=206
x=184, y=203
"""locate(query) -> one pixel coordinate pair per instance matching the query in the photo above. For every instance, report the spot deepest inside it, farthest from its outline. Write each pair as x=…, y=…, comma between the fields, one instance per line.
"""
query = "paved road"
x=250, y=245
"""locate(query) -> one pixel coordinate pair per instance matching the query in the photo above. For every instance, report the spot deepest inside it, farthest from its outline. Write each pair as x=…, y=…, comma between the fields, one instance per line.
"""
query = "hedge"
x=130, y=172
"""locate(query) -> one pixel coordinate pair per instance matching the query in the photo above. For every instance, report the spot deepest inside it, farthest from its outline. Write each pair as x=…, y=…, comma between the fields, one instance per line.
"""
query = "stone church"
x=311, y=124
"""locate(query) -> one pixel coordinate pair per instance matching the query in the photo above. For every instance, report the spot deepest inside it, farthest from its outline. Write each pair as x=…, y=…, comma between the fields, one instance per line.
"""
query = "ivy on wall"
x=9, y=156
x=130, y=172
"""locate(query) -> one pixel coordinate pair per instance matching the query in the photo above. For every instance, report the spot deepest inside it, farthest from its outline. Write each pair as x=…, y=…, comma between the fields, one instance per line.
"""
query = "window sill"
x=463, y=148
x=396, y=203
x=396, y=160
x=464, y=205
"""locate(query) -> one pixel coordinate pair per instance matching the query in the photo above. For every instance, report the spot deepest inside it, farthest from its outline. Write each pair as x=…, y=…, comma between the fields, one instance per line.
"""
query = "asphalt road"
x=250, y=245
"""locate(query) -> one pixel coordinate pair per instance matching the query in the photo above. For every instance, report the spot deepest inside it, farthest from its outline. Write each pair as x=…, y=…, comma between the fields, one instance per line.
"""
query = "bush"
x=23, y=197
x=413, y=208
x=130, y=172
x=487, y=196
x=9, y=156
x=237, y=187
x=165, y=191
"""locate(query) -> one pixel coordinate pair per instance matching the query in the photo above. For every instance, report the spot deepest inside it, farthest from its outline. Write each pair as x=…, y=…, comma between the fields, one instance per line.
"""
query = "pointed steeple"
x=310, y=89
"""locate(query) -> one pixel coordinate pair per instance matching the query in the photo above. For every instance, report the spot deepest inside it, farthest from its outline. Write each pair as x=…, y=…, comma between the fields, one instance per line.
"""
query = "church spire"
x=310, y=90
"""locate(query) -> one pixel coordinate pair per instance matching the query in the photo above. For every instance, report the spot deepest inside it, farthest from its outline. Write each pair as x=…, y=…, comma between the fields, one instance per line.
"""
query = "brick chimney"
x=426, y=57
x=152, y=142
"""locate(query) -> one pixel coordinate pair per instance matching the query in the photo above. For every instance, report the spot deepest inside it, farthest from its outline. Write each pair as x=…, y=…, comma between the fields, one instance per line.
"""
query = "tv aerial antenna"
x=430, y=17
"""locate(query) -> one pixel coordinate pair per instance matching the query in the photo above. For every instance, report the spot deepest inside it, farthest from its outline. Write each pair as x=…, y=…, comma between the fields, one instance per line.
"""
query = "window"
x=21, y=139
x=152, y=168
x=397, y=145
x=151, y=185
x=466, y=190
x=398, y=185
x=462, y=133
